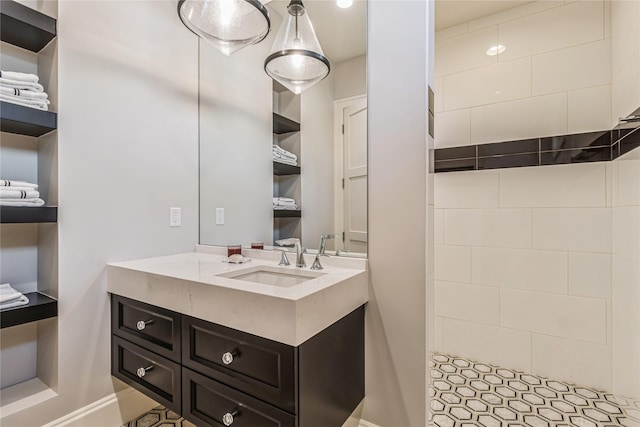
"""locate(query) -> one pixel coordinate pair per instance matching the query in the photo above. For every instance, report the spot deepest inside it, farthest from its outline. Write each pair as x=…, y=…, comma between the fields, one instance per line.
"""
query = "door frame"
x=339, y=106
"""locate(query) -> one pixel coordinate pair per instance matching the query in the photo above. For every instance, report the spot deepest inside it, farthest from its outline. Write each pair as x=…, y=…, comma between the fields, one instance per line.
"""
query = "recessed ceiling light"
x=495, y=50
x=344, y=3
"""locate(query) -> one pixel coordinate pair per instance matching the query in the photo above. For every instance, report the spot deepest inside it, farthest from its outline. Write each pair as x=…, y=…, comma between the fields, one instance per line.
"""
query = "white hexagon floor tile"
x=470, y=393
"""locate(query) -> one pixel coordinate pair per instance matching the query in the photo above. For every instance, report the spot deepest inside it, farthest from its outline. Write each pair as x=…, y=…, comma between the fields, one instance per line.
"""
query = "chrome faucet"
x=323, y=241
x=300, y=251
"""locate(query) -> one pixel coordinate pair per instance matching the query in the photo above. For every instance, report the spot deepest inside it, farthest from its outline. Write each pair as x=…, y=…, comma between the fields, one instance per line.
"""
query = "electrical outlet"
x=175, y=217
x=219, y=216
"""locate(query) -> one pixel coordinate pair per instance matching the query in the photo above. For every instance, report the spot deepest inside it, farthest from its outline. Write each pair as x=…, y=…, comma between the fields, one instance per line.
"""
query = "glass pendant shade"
x=297, y=60
x=229, y=25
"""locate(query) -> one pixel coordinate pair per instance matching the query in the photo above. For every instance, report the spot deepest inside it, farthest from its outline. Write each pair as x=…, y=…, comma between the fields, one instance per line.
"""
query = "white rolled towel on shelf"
x=10, y=298
x=23, y=77
x=21, y=184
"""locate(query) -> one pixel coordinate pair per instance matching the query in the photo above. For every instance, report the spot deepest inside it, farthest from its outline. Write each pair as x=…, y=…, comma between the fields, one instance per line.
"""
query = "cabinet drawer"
x=209, y=403
x=155, y=376
x=260, y=367
x=151, y=327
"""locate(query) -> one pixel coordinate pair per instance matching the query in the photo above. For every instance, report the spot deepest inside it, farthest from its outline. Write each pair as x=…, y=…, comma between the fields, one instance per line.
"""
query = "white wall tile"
x=625, y=32
x=465, y=52
x=573, y=361
x=525, y=118
x=626, y=180
x=514, y=13
x=589, y=109
x=455, y=31
x=625, y=89
x=510, y=228
x=572, y=229
x=470, y=189
x=488, y=85
x=491, y=344
x=453, y=263
x=438, y=228
x=590, y=274
x=467, y=302
x=626, y=232
x=544, y=271
x=557, y=28
x=607, y=19
x=438, y=331
x=572, y=68
x=576, y=185
x=565, y=316
x=453, y=128
x=438, y=92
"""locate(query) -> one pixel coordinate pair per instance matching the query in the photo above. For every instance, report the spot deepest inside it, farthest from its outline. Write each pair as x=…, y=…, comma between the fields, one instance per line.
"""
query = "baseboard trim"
x=108, y=411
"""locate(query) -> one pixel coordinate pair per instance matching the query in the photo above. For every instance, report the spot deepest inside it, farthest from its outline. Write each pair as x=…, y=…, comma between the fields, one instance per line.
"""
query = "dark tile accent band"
x=555, y=150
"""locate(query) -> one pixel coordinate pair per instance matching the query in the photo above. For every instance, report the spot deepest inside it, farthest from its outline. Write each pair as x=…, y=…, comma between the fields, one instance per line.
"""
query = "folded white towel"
x=285, y=162
x=23, y=93
x=285, y=208
x=38, y=104
x=23, y=77
x=288, y=200
x=22, y=202
x=283, y=153
x=20, y=184
x=23, y=300
x=11, y=193
x=17, y=84
x=7, y=293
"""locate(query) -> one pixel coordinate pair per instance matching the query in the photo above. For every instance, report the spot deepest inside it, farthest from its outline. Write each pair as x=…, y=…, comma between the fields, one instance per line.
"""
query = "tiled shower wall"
x=554, y=77
x=523, y=269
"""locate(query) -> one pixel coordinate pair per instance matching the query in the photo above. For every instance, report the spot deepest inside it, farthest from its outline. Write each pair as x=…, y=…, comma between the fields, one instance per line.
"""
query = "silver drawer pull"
x=143, y=371
x=227, y=358
x=142, y=324
x=227, y=419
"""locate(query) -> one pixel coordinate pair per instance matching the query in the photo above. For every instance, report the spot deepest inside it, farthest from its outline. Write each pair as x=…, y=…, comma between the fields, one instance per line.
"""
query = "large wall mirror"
x=244, y=114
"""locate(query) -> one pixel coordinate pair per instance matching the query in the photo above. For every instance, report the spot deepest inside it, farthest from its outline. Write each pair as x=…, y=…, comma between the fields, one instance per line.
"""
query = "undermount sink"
x=274, y=276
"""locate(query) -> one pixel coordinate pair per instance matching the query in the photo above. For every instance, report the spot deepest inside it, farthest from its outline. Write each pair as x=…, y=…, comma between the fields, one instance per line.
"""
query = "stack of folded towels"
x=23, y=89
x=284, y=203
x=281, y=155
x=19, y=193
x=10, y=298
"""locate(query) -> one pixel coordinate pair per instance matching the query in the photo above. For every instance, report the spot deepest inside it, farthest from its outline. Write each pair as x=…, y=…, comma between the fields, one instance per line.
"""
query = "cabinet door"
x=263, y=368
x=153, y=375
x=209, y=403
x=153, y=328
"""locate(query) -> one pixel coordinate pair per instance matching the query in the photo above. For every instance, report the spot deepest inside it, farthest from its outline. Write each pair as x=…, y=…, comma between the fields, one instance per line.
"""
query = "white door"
x=355, y=175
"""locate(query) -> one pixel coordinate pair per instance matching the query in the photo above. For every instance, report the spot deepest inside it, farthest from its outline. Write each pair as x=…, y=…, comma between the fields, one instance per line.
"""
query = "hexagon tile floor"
x=465, y=393
x=159, y=417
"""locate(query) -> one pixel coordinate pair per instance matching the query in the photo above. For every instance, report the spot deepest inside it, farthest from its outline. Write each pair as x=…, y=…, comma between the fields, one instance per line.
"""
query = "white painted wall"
x=397, y=127
x=128, y=150
x=350, y=77
x=554, y=77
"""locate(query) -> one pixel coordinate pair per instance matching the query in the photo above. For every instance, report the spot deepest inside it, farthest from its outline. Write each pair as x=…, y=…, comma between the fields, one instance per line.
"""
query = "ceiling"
x=343, y=32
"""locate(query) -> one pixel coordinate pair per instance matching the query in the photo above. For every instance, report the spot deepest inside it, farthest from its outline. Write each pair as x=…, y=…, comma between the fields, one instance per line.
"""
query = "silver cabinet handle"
x=143, y=371
x=227, y=419
x=141, y=324
x=227, y=358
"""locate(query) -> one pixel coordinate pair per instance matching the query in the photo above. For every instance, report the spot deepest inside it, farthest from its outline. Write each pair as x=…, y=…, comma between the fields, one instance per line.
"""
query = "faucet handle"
x=316, y=263
x=284, y=260
x=300, y=261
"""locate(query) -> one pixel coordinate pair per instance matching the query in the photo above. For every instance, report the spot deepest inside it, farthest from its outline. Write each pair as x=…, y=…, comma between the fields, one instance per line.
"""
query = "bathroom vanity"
x=250, y=344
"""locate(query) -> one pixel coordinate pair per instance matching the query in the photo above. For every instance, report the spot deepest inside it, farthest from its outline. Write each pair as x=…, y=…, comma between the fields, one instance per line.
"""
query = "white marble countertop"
x=190, y=283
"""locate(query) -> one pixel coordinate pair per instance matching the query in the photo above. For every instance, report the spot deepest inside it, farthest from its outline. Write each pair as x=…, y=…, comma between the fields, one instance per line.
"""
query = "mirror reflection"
x=276, y=165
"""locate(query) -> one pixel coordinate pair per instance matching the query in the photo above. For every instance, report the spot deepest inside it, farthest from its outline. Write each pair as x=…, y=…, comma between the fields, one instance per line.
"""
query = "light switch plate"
x=219, y=216
x=175, y=217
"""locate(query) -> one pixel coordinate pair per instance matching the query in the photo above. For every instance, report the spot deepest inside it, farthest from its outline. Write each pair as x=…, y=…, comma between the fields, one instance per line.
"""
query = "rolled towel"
x=17, y=84
x=34, y=203
x=38, y=104
x=23, y=77
x=23, y=93
x=7, y=293
x=11, y=193
x=20, y=184
x=23, y=300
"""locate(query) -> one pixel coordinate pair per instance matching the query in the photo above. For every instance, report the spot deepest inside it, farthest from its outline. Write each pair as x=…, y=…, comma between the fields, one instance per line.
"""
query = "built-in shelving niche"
x=29, y=147
x=287, y=179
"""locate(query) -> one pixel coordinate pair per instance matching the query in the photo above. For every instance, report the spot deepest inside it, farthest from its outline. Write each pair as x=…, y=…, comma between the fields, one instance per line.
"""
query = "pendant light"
x=229, y=25
x=296, y=58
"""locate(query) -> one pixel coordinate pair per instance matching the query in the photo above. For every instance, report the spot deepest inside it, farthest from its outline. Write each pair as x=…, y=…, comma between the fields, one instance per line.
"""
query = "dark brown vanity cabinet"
x=217, y=376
